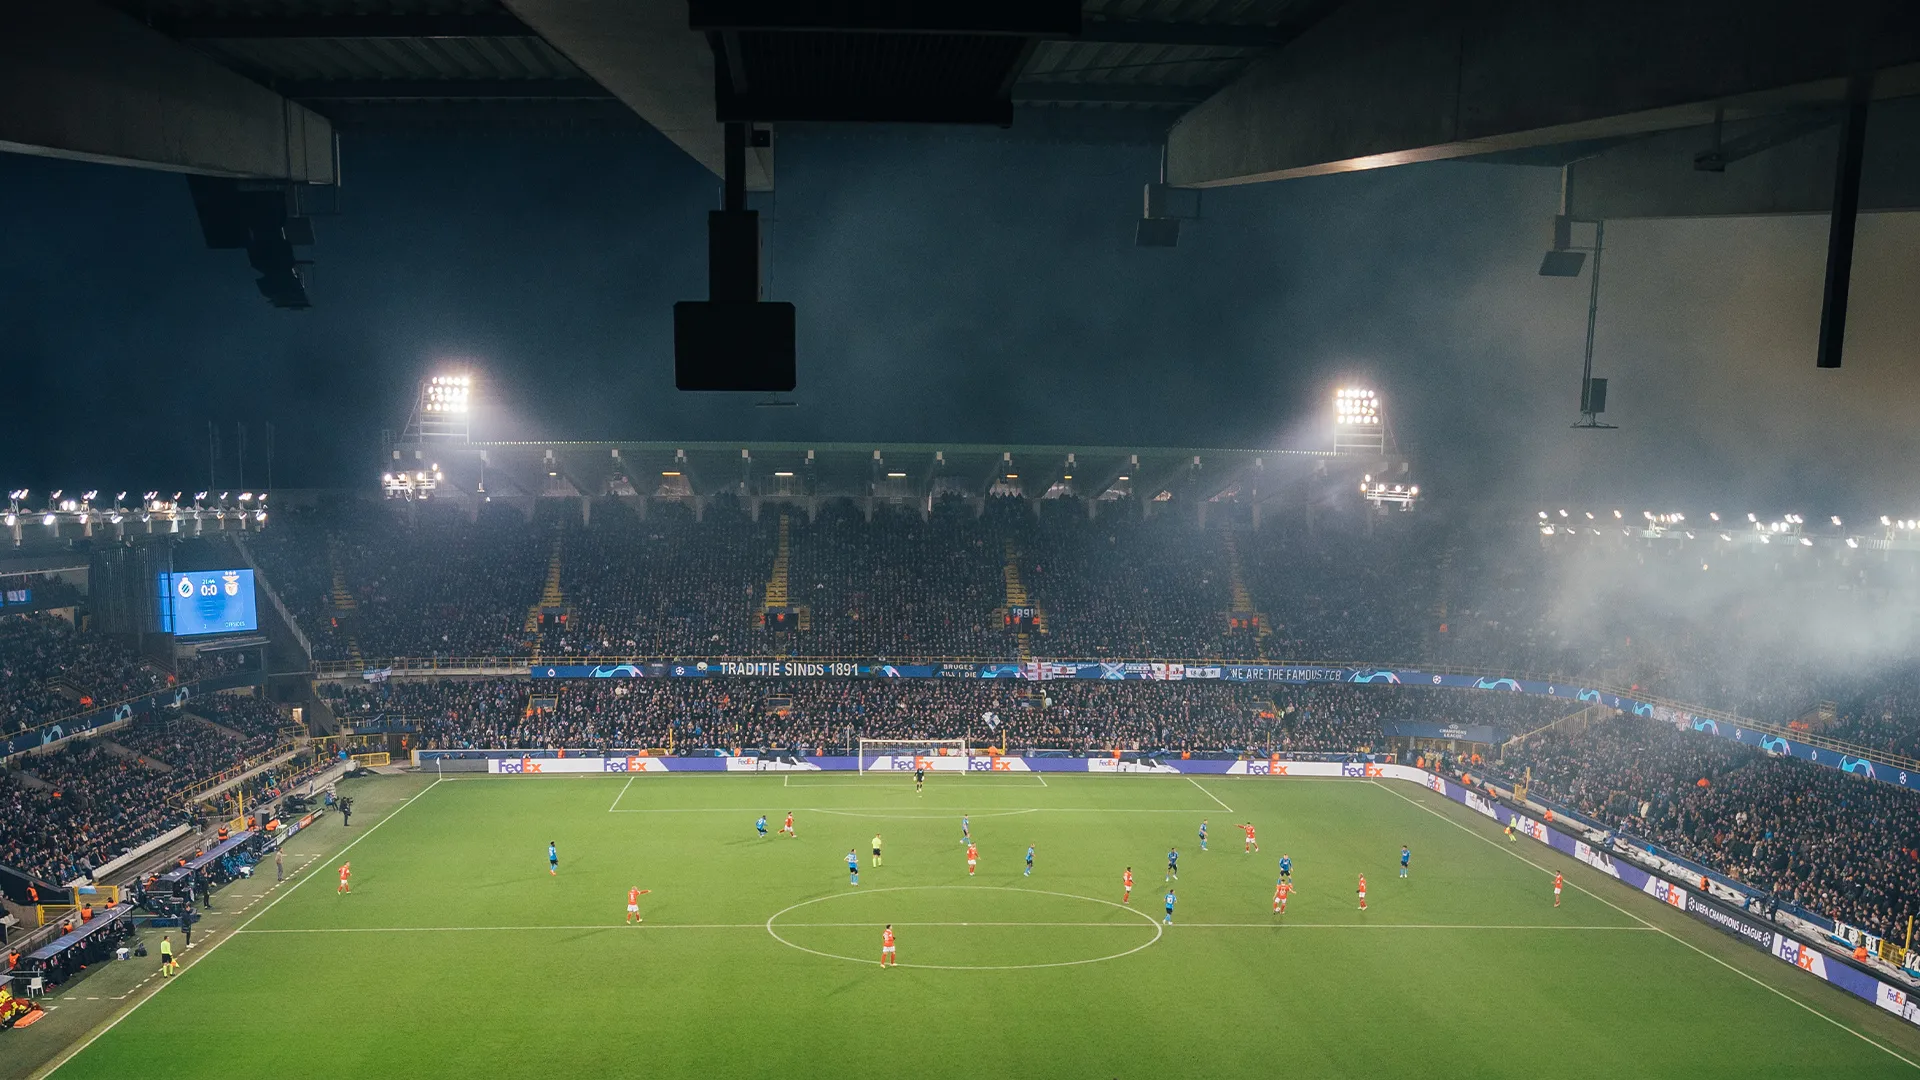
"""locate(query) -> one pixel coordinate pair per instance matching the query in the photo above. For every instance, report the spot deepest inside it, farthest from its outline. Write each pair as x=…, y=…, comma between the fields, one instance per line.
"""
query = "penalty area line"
x=1755, y=980
x=1209, y=794
x=622, y=795
x=241, y=929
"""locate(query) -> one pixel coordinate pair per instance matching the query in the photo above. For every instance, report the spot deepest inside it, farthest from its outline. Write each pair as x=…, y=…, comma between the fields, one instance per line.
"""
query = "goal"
x=904, y=755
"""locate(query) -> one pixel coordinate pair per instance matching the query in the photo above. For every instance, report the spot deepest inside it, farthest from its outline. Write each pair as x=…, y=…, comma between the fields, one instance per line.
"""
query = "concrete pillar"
x=753, y=509
x=866, y=507
x=979, y=503
x=1256, y=517
x=699, y=509
x=1035, y=503
x=527, y=507
x=586, y=511
x=1092, y=507
x=640, y=504
x=813, y=508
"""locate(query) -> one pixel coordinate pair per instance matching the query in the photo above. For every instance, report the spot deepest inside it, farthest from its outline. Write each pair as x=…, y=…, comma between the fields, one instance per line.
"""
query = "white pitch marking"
x=1158, y=928
x=495, y=929
x=115, y=1022
x=1210, y=794
x=623, y=792
x=1661, y=929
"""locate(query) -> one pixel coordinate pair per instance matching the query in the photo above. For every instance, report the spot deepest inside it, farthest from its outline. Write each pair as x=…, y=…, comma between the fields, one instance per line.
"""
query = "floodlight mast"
x=441, y=416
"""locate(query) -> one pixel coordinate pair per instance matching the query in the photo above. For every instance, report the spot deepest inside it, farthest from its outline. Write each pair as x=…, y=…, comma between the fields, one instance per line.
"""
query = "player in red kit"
x=1362, y=890
x=1558, y=881
x=788, y=827
x=1281, y=890
x=1253, y=845
x=633, y=904
x=887, y=956
x=1126, y=884
x=973, y=858
x=346, y=871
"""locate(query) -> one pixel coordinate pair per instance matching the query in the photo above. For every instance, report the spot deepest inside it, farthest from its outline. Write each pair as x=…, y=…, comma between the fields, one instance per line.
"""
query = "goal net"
x=905, y=755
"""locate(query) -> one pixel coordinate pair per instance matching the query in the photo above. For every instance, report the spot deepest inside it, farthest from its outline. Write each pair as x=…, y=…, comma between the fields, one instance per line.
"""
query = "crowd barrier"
x=1759, y=933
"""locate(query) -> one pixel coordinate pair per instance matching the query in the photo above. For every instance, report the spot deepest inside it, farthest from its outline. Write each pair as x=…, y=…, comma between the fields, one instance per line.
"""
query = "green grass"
x=1465, y=968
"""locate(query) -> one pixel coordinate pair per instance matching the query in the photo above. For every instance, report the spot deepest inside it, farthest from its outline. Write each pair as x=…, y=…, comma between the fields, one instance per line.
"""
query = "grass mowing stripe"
x=111, y=1024
x=1862, y=1036
x=1209, y=794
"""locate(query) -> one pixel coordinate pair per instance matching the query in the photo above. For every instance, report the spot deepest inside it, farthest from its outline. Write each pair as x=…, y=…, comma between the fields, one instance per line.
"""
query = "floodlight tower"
x=441, y=419
x=1358, y=427
x=441, y=415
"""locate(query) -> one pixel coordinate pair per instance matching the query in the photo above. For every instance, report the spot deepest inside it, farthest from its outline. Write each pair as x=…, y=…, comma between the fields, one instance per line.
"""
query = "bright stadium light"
x=1835, y=519
x=1358, y=408
x=1852, y=543
x=1714, y=514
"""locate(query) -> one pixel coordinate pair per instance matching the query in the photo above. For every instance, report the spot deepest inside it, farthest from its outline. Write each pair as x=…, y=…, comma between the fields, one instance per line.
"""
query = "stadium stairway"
x=1016, y=596
x=344, y=605
x=552, y=596
x=1242, y=613
x=776, y=596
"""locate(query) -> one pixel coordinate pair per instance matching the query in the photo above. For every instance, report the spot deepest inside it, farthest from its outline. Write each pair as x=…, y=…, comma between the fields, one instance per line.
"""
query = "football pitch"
x=458, y=955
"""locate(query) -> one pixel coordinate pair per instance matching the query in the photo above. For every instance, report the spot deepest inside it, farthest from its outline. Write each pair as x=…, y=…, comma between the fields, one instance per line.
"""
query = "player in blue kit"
x=761, y=826
x=1173, y=865
x=1203, y=834
x=1405, y=855
x=1286, y=868
x=1029, y=872
x=1169, y=917
x=966, y=829
x=853, y=866
x=553, y=859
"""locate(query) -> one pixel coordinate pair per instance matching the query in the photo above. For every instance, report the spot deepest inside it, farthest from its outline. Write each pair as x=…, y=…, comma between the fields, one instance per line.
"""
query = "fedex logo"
x=999, y=765
x=1353, y=768
x=1435, y=783
x=981, y=764
x=1668, y=893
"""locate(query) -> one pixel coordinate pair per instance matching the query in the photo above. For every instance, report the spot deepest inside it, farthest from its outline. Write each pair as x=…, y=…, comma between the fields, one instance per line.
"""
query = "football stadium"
x=1120, y=437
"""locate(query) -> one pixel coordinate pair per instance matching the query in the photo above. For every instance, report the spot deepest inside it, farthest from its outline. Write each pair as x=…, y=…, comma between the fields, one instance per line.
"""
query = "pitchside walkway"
x=84, y=1006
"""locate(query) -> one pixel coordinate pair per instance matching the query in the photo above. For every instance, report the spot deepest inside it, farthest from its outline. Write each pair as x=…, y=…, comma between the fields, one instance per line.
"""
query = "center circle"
x=975, y=899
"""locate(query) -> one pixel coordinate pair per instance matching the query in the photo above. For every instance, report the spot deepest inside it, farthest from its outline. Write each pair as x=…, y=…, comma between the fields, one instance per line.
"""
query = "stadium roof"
x=581, y=64
x=895, y=471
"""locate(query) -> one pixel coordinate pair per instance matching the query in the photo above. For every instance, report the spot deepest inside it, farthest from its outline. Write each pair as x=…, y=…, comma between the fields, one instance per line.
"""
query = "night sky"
x=961, y=289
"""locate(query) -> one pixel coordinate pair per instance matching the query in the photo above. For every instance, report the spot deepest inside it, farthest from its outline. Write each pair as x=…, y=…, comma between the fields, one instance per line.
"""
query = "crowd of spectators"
x=1814, y=836
x=814, y=714
x=86, y=803
x=49, y=670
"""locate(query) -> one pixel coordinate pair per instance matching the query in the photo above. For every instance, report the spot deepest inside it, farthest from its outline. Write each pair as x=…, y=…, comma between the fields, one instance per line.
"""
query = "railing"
x=266, y=586
x=503, y=665
x=193, y=792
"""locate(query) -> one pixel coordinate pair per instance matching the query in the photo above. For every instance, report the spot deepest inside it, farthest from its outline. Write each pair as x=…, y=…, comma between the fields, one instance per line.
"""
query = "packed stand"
x=897, y=586
x=665, y=585
x=1813, y=836
x=49, y=670
x=1079, y=716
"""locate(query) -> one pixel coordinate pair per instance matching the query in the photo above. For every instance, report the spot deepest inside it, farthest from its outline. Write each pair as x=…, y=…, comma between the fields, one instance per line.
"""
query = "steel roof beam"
x=343, y=27
x=85, y=82
x=444, y=90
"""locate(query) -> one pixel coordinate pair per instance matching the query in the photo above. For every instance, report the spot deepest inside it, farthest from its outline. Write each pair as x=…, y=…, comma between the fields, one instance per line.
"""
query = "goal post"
x=904, y=755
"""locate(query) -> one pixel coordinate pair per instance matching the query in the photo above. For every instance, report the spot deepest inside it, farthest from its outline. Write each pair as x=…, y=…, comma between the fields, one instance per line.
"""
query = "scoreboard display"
x=199, y=602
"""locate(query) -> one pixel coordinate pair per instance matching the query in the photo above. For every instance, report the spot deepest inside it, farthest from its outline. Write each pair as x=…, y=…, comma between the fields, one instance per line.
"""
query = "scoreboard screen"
x=201, y=602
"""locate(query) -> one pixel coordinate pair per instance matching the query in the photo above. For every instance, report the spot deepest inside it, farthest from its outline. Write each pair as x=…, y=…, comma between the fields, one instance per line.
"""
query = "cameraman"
x=346, y=811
